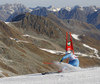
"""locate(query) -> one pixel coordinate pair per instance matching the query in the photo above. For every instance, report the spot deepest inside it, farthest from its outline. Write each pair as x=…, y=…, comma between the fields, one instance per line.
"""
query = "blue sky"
x=56, y=3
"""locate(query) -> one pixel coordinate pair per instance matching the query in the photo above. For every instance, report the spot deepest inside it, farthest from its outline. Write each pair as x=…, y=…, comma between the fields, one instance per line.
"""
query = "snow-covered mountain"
x=11, y=8
x=68, y=8
x=36, y=8
x=8, y=9
x=88, y=14
x=52, y=8
x=91, y=9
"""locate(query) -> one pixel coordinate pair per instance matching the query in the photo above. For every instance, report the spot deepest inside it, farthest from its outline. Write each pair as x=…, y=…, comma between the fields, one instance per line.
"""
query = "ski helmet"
x=67, y=52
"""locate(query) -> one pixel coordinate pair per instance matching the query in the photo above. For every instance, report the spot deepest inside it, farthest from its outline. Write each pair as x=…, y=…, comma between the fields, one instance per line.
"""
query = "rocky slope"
x=21, y=40
x=54, y=29
x=18, y=54
x=76, y=27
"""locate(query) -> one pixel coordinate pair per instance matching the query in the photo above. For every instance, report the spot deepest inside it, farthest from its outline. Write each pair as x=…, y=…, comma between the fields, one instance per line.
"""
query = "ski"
x=44, y=73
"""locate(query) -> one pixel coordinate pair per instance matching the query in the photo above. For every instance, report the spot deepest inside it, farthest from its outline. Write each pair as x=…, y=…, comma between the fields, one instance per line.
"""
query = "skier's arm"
x=65, y=57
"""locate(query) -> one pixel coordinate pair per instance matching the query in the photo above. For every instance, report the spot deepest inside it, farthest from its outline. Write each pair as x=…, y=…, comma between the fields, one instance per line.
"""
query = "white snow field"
x=71, y=76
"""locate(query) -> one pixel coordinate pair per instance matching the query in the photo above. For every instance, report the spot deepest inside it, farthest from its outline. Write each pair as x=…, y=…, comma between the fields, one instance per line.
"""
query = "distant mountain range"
x=88, y=9
x=89, y=14
x=7, y=10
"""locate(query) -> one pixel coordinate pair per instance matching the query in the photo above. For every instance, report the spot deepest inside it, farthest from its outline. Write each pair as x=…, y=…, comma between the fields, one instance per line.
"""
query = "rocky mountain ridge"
x=8, y=10
x=89, y=9
x=84, y=14
x=54, y=28
x=89, y=14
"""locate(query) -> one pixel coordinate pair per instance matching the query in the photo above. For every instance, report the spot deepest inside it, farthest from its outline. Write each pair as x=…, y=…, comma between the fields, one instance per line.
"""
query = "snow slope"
x=82, y=76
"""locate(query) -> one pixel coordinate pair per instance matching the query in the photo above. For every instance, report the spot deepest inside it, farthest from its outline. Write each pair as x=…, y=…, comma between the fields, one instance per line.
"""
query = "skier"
x=73, y=60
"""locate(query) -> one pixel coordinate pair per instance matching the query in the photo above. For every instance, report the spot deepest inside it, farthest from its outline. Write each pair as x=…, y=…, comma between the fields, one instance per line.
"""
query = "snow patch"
x=27, y=35
x=95, y=50
x=15, y=39
x=82, y=54
x=7, y=22
x=53, y=51
x=81, y=8
x=67, y=8
x=63, y=53
x=52, y=8
x=75, y=36
x=3, y=59
x=95, y=10
x=12, y=38
x=22, y=41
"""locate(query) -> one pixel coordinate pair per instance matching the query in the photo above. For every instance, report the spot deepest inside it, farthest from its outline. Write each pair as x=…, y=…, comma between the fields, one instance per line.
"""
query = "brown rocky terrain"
x=20, y=54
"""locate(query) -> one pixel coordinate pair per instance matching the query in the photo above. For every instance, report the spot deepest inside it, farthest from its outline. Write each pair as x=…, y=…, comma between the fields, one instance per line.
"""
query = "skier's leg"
x=74, y=62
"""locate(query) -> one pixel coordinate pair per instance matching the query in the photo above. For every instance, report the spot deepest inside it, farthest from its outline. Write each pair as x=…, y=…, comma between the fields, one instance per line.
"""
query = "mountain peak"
x=78, y=7
x=37, y=8
x=52, y=8
x=67, y=8
x=8, y=10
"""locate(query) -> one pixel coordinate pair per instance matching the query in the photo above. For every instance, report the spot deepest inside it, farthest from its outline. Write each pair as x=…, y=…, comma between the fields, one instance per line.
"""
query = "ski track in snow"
x=81, y=76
